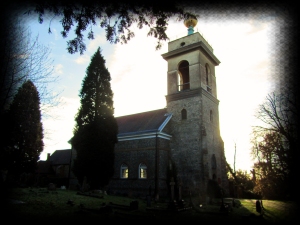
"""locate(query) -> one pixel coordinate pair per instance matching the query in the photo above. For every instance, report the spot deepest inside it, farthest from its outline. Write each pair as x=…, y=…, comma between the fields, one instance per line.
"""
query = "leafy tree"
x=271, y=168
x=275, y=146
x=96, y=129
x=115, y=17
x=241, y=179
x=25, y=133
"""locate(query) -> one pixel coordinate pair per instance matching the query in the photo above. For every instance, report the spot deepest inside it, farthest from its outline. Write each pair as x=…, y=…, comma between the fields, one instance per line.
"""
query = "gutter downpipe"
x=156, y=169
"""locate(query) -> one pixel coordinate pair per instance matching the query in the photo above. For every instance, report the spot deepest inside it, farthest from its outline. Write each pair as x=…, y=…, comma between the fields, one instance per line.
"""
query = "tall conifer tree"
x=96, y=129
x=25, y=131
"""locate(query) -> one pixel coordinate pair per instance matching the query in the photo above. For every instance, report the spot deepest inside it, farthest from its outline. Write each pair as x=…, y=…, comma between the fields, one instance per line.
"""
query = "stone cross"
x=172, y=183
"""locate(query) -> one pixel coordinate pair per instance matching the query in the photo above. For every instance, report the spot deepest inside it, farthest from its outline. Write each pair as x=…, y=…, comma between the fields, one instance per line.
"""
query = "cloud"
x=84, y=59
x=59, y=128
x=58, y=69
x=57, y=35
x=99, y=40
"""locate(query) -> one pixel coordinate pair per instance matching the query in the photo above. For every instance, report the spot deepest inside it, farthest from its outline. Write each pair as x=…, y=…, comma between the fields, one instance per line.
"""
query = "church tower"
x=196, y=147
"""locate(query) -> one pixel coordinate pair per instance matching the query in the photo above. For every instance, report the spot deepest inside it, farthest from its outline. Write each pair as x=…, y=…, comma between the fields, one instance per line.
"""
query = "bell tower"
x=197, y=148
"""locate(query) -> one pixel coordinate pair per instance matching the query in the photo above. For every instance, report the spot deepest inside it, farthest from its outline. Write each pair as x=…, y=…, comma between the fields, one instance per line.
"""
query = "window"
x=142, y=171
x=124, y=171
x=207, y=75
x=183, y=114
x=183, y=76
x=207, y=70
x=211, y=116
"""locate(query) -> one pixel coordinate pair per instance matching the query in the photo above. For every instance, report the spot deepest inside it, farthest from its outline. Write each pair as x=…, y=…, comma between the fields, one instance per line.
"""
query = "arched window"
x=183, y=76
x=124, y=171
x=183, y=114
x=211, y=116
x=142, y=171
x=207, y=75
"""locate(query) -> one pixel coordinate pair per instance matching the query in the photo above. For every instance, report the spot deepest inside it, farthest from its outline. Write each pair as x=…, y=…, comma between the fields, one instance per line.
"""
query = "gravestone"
x=51, y=187
x=85, y=186
x=259, y=207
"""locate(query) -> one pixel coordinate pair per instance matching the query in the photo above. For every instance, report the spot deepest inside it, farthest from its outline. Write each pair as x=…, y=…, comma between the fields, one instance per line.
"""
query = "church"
x=179, y=145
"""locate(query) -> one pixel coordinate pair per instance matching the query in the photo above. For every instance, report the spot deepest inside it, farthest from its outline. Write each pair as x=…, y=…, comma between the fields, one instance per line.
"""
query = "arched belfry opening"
x=183, y=76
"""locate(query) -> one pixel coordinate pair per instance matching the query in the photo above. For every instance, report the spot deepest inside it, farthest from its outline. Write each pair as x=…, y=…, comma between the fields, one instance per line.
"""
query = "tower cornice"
x=192, y=47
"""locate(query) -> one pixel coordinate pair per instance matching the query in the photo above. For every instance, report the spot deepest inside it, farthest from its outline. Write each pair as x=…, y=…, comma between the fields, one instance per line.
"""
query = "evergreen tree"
x=25, y=136
x=117, y=18
x=96, y=129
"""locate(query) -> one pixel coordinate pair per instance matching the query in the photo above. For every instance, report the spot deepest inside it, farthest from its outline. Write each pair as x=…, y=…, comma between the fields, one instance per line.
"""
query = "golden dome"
x=190, y=22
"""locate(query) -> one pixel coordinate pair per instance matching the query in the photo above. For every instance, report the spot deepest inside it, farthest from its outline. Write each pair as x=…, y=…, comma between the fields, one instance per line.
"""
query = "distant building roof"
x=60, y=157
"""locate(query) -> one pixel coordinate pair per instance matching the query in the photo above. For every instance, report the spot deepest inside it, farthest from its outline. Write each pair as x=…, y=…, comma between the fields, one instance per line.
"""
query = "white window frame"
x=142, y=171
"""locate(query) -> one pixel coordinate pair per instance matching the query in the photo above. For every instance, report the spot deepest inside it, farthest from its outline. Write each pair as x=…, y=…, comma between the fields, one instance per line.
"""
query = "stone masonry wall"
x=186, y=142
x=132, y=153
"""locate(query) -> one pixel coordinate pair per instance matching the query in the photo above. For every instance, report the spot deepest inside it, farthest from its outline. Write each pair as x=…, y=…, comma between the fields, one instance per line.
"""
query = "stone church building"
x=181, y=143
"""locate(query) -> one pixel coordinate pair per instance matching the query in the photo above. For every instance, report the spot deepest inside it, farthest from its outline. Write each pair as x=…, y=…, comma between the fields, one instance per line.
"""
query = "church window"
x=124, y=171
x=183, y=114
x=207, y=75
x=142, y=171
x=183, y=76
x=211, y=116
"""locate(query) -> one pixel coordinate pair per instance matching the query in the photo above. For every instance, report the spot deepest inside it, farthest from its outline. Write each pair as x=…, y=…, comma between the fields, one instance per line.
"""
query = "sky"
x=243, y=44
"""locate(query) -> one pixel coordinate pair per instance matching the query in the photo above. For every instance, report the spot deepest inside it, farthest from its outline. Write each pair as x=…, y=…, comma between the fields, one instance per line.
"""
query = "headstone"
x=85, y=185
x=258, y=207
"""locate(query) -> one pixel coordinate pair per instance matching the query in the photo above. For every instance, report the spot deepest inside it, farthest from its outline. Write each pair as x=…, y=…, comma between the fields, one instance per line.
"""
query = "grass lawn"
x=36, y=204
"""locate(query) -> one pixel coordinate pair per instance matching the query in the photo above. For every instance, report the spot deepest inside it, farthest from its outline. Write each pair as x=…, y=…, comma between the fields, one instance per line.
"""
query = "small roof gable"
x=142, y=122
x=60, y=157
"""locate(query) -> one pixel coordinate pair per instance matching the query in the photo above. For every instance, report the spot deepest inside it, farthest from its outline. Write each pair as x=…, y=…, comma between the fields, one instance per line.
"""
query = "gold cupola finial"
x=190, y=22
